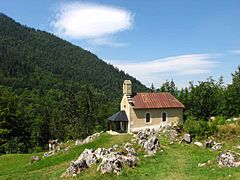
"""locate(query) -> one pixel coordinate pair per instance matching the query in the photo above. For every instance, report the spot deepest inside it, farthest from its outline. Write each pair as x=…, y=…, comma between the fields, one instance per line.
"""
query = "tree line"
x=208, y=98
x=50, y=88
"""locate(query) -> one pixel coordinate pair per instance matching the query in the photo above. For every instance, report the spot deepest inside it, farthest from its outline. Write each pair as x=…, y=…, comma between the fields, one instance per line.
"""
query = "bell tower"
x=127, y=87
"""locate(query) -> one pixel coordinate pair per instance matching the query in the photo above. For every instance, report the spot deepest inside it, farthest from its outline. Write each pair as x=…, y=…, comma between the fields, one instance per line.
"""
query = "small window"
x=148, y=116
x=164, y=117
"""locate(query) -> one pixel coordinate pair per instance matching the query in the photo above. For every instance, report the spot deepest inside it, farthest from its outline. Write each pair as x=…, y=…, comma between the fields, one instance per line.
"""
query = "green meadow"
x=176, y=161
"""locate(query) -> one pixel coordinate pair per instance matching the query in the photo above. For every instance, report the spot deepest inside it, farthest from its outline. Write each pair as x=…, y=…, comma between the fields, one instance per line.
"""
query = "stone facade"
x=145, y=110
x=137, y=117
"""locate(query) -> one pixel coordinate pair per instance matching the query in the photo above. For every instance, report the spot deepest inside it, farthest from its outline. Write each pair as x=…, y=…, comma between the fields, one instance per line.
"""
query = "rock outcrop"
x=91, y=138
x=198, y=144
x=111, y=160
x=209, y=144
x=217, y=146
x=228, y=159
x=187, y=138
x=148, y=140
x=34, y=159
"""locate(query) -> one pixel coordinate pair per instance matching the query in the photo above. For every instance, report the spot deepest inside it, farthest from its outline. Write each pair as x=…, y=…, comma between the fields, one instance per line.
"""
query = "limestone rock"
x=198, y=144
x=217, y=146
x=165, y=129
x=173, y=134
x=131, y=161
x=148, y=141
x=54, y=145
x=34, y=159
x=48, y=154
x=209, y=144
x=91, y=138
x=187, y=138
x=128, y=145
x=228, y=159
x=66, y=148
x=89, y=157
x=111, y=160
x=238, y=146
x=201, y=164
x=109, y=165
x=100, y=152
x=111, y=132
x=78, y=142
x=131, y=151
x=75, y=168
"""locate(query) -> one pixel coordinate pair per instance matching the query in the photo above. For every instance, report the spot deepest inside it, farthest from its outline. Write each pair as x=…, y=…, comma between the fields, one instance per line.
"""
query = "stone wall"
x=174, y=116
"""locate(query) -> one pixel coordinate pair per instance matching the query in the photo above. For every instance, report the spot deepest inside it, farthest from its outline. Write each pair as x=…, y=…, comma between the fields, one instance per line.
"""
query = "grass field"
x=177, y=161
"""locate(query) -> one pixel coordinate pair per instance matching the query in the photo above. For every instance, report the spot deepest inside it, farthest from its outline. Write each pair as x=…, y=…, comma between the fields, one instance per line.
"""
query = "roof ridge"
x=156, y=100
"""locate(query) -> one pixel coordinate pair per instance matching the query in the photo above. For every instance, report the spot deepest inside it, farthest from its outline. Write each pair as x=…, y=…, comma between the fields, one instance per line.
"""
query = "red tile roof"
x=155, y=100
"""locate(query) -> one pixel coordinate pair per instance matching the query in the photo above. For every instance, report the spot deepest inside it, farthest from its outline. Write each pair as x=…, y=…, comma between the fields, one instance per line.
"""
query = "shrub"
x=199, y=128
x=36, y=149
x=229, y=129
x=220, y=120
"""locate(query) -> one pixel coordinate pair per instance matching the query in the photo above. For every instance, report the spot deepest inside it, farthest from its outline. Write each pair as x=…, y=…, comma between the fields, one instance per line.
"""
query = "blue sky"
x=151, y=40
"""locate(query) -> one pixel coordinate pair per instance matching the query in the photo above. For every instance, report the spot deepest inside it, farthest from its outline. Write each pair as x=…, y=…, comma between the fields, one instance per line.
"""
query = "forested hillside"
x=50, y=88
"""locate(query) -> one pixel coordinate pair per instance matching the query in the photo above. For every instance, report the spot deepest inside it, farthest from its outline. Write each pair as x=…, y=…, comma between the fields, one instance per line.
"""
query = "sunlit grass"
x=177, y=161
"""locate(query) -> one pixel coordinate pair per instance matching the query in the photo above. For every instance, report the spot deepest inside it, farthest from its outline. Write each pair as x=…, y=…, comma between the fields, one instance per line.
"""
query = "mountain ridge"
x=38, y=50
x=50, y=88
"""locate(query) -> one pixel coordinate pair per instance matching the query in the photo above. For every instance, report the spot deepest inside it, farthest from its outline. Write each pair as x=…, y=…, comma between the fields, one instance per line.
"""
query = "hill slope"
x=31, y=58
x=177, y=161
x=50, y=88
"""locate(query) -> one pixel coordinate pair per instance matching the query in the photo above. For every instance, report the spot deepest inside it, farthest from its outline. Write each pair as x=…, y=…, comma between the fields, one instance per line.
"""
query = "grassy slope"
x=178, y=161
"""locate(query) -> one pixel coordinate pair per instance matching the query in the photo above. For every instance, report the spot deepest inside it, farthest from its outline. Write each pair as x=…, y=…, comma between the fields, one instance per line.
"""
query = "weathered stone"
x=78, y=142
x=173, y=134
x=198, y=144
x=34, y=159
x=152, y=145
x=208, y=144
x=133, y=140
x=89, y=157
x=228, y=159
x=48, y=154
x=148, y=141
x=91, y=138
x=111, y=132
x=142, y=135
x=187, y=138
x=131, y=161
x=76, y=167
x=165, y=129
x=128, y=145
x=142, y=142
x=109, y=165
x=54, y=145
x=115, y=146
x=201, y=164
x=66, y=148
x=131, y=151
x=101, y=152
x=217, y=146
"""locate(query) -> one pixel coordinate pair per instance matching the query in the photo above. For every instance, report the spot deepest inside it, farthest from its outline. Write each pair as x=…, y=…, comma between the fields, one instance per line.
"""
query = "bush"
x=230, y=129
x=199, y=128
x=36, y=149
x=220, y=120
x=15, y=146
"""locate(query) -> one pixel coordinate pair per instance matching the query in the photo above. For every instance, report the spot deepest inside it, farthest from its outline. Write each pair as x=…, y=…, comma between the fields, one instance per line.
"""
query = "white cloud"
x=236, y=51
x=108, y=41
x=153, y=71
x=80, y=20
